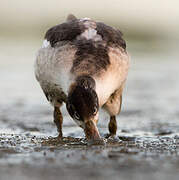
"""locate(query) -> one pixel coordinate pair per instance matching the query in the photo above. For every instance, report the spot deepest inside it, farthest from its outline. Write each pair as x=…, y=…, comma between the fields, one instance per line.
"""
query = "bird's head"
x=82, y=102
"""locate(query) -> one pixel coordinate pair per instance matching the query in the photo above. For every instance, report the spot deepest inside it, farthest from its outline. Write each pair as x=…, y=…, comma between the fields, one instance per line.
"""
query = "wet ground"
x=147, y=142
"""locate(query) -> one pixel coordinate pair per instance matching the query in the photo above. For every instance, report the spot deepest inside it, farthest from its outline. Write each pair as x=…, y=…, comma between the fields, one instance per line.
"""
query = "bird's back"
x=83, y=47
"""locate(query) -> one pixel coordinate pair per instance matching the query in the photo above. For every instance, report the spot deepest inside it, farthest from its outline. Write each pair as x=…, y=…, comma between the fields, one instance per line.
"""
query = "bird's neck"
x=84, y=81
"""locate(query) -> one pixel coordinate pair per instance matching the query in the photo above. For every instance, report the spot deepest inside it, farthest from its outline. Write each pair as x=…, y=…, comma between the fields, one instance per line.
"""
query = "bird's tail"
x=71, y=17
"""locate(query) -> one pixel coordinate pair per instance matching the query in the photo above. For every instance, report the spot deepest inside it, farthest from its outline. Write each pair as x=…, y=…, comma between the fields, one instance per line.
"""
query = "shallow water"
x=147, y=142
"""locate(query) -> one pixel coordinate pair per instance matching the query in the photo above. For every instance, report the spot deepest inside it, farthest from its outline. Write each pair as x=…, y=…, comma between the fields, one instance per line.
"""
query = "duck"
x=84, y=64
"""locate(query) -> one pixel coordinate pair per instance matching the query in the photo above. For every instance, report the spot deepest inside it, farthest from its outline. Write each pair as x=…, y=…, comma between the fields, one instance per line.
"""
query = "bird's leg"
x=112, y=126
x=58, y=120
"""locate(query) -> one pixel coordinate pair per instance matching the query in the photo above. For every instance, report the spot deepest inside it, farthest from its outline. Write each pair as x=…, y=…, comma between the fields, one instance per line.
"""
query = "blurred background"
x=150, y=28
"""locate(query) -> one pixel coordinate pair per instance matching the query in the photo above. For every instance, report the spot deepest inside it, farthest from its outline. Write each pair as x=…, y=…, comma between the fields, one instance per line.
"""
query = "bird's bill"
x=91, y=131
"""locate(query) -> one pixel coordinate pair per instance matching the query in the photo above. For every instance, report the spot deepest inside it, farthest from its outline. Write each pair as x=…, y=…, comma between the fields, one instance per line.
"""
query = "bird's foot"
x=111, y=138
x=93, y=142
x=58, y=138
x=109, y=135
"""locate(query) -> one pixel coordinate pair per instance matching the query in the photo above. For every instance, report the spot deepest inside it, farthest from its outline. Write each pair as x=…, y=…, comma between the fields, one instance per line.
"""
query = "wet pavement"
x=147, y=141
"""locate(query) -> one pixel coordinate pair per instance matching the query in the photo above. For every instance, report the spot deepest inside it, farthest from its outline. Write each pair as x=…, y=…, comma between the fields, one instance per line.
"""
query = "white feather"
x=45, y=43
x=52, y=67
